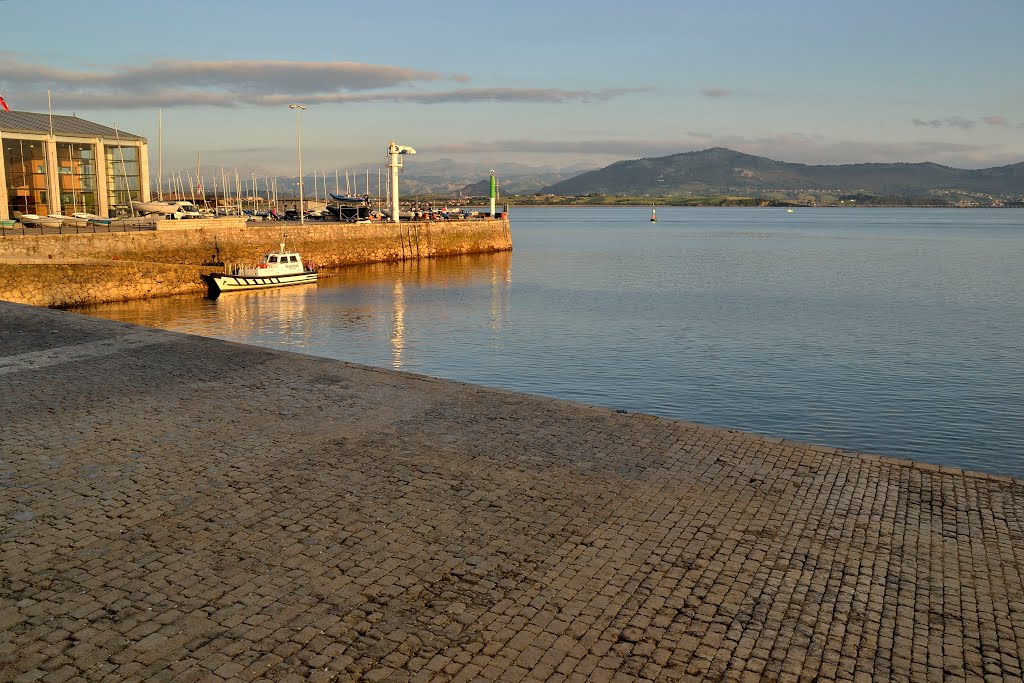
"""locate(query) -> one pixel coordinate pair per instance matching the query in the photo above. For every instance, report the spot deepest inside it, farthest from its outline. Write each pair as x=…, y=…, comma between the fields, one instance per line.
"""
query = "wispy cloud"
x=233, y=76
x=959, y=122
x=267, y=82
x=621, y=148
x=792, y=147
x=716, y=92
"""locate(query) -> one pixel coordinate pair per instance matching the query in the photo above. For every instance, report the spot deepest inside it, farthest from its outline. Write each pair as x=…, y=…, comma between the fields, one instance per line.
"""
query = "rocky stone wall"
x=62, y=285
x=69, y=270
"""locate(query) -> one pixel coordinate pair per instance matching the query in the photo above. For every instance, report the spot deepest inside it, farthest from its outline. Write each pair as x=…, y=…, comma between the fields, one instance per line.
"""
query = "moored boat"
x=79, y=220
x=128, y=222
x=37, y=221
x=172, y=209
x=277, y=269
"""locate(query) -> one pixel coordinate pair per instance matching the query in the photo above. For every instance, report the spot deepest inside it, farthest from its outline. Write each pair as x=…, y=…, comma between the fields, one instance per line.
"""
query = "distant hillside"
x=724, y=171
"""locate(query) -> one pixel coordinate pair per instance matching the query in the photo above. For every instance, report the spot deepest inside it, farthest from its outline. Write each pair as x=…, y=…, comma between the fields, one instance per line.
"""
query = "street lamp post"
x=298, y=126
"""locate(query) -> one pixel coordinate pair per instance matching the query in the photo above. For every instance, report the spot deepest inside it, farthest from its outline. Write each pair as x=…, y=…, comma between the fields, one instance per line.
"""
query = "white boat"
x=128, y=222
x=35, y=220
x=171, y=209
x=276, y=269
x=75, y=221
x=81, y=219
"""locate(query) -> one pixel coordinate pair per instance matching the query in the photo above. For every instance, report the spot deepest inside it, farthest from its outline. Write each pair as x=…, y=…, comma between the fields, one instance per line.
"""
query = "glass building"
x=67, y=165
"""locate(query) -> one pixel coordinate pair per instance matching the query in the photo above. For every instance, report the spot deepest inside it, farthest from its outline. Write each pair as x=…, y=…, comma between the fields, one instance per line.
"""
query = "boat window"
x=273, y=259
x=294, y=259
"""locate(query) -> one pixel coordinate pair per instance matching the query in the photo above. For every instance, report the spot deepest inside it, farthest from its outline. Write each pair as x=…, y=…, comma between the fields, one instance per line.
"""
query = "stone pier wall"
x=63, y=285
x=69, y=270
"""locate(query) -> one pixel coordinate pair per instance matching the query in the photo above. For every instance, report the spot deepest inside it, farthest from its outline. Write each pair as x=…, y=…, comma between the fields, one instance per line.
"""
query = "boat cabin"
x=275, y=263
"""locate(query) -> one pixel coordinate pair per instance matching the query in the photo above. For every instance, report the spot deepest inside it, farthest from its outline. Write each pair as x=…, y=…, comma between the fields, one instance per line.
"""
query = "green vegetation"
x=723, y=177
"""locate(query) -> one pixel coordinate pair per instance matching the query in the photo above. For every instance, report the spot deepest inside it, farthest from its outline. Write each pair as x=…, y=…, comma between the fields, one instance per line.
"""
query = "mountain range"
x=707, y=173
x=724, y=171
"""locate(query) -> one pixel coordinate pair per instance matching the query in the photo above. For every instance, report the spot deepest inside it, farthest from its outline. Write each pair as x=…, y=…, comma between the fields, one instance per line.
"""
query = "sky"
x=555, y=83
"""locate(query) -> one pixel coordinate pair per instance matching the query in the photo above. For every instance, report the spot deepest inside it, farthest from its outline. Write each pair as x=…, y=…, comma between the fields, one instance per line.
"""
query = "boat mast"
x=124, y=171
x=160, y=155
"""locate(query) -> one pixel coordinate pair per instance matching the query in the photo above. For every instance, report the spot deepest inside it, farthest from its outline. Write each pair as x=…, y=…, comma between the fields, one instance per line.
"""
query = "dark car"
x=291, y=215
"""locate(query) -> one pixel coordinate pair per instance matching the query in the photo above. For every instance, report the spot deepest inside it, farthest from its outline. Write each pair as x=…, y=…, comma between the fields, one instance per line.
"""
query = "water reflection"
x=888, y=331
x=400, y=306
x=398, y=326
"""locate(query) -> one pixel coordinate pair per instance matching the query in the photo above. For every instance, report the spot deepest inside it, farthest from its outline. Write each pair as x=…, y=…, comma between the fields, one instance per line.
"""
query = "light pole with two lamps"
x=298, y=125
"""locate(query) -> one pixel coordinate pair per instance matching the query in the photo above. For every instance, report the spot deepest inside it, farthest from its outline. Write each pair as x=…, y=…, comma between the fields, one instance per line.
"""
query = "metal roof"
x=29, y=122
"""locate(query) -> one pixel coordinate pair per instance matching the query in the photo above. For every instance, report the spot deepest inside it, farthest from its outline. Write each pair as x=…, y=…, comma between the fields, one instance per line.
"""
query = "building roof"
x=29, y=122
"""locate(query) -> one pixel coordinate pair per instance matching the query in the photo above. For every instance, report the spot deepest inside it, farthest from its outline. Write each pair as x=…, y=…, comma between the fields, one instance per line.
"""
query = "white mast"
x=160, y=156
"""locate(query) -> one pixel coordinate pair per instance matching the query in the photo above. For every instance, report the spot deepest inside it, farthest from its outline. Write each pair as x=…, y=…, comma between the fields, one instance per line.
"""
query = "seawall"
x=182, y=508
x=77, y=269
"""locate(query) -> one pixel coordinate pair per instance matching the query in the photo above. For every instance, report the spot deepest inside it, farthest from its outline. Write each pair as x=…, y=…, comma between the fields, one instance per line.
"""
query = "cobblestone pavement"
x=187, y=509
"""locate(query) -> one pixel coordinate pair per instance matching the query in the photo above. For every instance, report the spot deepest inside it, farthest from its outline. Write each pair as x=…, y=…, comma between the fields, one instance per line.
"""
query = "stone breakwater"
x=182, y=508
x=78, y=269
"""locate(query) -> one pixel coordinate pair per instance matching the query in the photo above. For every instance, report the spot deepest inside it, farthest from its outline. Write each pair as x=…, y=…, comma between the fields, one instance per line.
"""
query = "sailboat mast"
x=160, y=154
x=124, y=171
x=199, y=180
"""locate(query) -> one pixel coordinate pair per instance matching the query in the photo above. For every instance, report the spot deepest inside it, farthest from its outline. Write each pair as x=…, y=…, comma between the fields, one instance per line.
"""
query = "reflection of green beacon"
x=494, y=192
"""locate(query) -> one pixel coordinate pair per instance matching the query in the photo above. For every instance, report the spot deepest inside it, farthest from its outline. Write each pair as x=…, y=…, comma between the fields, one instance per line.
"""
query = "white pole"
x=160, y=144
x=394, y=161
x=298, y=127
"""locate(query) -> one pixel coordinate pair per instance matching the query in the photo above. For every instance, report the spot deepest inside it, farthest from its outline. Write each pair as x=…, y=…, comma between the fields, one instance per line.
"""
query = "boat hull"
x=225, y=282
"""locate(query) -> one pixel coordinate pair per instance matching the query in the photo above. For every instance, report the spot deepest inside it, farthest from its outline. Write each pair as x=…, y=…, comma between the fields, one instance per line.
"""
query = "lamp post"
x=298, y=126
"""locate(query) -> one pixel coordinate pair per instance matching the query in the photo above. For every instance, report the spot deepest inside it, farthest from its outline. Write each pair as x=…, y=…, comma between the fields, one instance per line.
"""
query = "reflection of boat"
x=654, y=215
x=277, y=269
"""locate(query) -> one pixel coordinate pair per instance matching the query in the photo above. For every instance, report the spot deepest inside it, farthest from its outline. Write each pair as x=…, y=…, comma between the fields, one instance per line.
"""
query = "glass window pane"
x=25, y=163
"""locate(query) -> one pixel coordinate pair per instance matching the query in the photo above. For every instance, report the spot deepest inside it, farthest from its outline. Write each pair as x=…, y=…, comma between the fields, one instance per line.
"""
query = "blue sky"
x=556, y=83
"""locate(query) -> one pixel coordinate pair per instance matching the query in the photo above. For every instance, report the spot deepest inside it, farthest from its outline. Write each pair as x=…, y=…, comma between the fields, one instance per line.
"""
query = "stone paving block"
x=347, y=523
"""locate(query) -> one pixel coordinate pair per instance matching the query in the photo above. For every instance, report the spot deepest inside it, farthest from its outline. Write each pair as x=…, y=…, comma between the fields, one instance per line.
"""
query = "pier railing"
x=114, y=226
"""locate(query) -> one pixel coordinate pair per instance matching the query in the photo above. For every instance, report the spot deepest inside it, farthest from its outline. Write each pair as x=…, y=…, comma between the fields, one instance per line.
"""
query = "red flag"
x=4, y=104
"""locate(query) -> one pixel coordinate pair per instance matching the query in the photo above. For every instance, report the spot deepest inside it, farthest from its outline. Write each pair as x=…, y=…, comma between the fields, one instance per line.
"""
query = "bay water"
x=890, y=331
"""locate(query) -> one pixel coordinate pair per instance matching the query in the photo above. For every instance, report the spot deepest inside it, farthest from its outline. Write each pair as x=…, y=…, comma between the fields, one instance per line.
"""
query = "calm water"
x=888, y=331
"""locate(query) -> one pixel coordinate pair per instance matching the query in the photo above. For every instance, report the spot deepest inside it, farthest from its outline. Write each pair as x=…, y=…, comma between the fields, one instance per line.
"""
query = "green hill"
x=720, y=171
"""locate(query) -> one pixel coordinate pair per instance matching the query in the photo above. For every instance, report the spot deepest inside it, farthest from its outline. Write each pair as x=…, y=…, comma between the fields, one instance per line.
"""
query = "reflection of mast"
x=398, y=326
x=501, y=280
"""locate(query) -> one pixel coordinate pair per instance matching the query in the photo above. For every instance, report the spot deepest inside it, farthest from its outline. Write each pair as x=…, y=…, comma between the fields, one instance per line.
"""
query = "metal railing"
x=89, y=228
